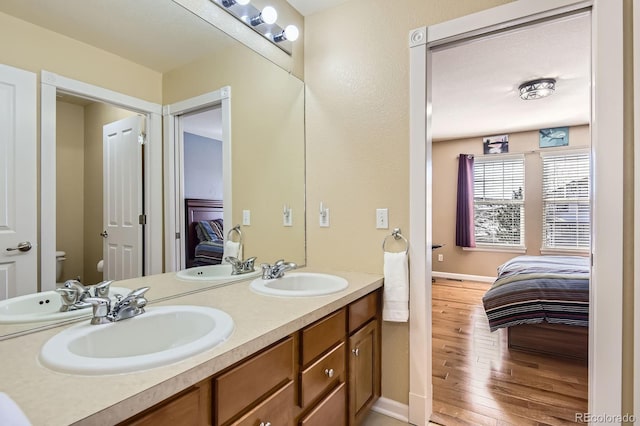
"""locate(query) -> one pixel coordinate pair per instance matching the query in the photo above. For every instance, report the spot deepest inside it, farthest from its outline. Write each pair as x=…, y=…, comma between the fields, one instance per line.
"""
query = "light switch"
x=324, y=216
x=246, y=217
x=287, y=216
x=382, y=218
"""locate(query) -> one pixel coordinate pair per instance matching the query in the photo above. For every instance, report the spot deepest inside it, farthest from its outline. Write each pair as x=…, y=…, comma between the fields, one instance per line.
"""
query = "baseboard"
x=391, y=408
x=463, y=277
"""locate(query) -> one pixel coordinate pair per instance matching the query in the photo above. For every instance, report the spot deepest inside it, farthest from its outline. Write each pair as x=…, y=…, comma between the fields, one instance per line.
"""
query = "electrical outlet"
x=324, y=218
x=246, y=217
x=382, y=218
x=440, y=257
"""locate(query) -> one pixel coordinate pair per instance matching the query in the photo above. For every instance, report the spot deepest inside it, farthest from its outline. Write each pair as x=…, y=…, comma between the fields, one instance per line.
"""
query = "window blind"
x=498, y=187
x=566, y=202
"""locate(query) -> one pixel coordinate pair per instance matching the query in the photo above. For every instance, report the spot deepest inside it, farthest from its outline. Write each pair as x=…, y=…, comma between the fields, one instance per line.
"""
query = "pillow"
x=205, y=231
x=217, y=227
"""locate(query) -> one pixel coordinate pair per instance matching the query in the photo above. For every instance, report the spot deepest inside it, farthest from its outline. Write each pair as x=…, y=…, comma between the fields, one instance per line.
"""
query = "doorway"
x=605, y=339
x=51, y=86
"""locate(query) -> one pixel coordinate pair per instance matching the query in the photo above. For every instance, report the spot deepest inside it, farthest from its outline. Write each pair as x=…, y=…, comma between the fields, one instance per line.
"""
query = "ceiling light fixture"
x=537, y=89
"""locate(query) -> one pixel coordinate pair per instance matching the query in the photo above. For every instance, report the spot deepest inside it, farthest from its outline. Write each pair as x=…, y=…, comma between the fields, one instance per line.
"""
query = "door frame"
x=174, y=170
x=607, y=126
x=50, y=84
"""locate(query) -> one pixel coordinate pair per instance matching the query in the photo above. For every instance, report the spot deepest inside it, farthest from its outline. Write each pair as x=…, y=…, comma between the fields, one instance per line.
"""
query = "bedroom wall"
x=203, y=167
x=357, y=137
x=445, y=175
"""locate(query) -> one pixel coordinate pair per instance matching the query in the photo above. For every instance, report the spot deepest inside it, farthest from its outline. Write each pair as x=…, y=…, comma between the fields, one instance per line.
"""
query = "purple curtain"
x=465, y=232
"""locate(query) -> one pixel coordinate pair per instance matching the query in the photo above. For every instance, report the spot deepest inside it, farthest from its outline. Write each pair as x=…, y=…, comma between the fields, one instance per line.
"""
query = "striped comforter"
x=208, y=253
x=534, y=289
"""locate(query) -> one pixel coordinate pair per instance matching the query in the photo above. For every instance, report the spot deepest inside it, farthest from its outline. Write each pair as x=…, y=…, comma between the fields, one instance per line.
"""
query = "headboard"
x=197, y=210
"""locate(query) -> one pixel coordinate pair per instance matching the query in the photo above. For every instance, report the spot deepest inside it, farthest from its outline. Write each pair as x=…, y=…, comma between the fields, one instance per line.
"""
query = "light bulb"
x=269, y=15
x=291, y=32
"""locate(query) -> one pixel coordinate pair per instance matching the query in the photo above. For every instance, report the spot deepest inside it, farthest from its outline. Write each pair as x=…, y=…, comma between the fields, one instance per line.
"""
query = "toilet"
x=60, y=257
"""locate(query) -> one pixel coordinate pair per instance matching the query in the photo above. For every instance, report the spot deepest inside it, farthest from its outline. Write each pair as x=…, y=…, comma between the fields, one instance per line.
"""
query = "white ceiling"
x=309, y=7
x=475, y=83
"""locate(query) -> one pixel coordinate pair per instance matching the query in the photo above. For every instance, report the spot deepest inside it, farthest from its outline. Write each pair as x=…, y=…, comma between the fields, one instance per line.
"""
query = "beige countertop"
x=51, y=398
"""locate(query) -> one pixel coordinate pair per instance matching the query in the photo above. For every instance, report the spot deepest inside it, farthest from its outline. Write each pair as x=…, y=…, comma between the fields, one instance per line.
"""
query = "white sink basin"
x=44, y=306
x=213, y=273
x=300, y=284
x=160, y=336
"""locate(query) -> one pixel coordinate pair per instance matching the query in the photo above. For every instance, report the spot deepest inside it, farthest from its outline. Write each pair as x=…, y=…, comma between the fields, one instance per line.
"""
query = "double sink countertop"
x=51, y=398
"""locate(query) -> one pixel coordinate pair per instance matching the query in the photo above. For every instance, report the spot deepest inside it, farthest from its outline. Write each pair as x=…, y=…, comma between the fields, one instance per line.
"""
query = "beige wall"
x=357, y=106
x=34, y=48
x=445, y=175
x=69, y=188
x=267, y=119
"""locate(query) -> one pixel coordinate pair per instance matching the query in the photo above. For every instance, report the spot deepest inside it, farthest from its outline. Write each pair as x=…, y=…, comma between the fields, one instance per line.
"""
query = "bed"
x=204, y=239
x=543, y=302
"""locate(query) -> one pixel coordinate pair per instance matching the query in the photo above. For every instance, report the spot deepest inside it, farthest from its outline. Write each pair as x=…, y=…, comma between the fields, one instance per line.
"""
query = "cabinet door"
x=190, y=408
x=330, y=411
x=364, y=380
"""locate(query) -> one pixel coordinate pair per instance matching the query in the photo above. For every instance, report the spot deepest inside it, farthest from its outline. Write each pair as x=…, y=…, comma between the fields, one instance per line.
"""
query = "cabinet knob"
x=329, y=372
x=356, y=351
x=265, y=424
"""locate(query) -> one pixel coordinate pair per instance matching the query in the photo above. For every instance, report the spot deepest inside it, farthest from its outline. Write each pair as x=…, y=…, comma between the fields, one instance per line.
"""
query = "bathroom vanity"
x=305, y=360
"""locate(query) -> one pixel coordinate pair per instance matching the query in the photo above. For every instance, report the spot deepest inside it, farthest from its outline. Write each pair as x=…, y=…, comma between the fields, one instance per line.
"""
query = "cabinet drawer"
x=276, y=410
x=240, y=387
x=362, y=310
x=330, y=411
x=322, y=335
x=322, y=374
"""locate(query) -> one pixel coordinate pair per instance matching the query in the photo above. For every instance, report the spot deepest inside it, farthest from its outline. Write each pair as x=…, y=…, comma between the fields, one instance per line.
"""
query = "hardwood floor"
x=478, y=381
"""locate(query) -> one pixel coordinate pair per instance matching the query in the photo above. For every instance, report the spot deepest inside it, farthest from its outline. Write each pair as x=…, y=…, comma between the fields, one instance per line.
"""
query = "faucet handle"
x=248, y=264
x=102, y=288
x=101, y=308
x=138, y=292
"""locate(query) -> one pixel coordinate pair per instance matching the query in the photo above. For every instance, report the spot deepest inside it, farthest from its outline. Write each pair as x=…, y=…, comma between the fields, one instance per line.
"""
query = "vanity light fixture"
x=268, y=16
x=290, y=33
x=537, y=89
x=229, y=3
x=261, y=21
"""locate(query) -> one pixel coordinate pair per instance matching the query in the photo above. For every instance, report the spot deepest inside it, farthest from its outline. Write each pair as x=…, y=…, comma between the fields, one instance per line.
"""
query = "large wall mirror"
x=158, y=52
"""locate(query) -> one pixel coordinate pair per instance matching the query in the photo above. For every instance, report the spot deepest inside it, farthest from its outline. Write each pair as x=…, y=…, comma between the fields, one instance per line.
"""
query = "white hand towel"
x=10, y=413
x=231, y=249
x=396, y=287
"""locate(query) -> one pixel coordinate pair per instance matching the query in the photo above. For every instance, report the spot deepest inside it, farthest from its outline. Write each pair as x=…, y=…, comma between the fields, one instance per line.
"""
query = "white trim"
x=636, y=291
x=50, y=84
x=390, y=408
x=605, y=339
x=496, y=249
x=463, y=277
x=174, y=172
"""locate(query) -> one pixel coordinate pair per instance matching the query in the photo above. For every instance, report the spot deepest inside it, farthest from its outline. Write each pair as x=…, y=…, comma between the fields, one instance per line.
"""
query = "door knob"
x=104, y=234
x=23, y=246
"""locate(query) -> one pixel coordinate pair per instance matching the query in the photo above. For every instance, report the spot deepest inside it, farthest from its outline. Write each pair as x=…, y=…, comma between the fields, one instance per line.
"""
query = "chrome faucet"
x=239, y=267
x=125, y=307
x=74, y=294
x=276, y=270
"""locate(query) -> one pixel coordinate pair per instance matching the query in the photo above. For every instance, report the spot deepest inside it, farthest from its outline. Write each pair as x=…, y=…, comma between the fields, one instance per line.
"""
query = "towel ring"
x=397, y=235
x=237, y=230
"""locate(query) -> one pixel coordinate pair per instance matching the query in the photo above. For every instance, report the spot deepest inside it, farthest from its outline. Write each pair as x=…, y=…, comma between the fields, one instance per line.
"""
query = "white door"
x=122, y=199
x=18, y=186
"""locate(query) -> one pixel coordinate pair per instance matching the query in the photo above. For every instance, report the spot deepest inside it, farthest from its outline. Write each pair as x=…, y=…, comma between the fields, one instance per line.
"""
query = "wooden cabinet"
x=364, y=356
x=189, y=408
x=327, y=373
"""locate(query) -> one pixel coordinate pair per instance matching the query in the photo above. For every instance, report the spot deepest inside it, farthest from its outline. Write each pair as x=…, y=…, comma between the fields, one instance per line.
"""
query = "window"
x=498, y=198
x=566, y=213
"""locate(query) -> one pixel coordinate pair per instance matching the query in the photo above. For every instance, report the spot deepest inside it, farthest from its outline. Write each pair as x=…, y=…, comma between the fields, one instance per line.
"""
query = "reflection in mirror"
x=167, y=57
